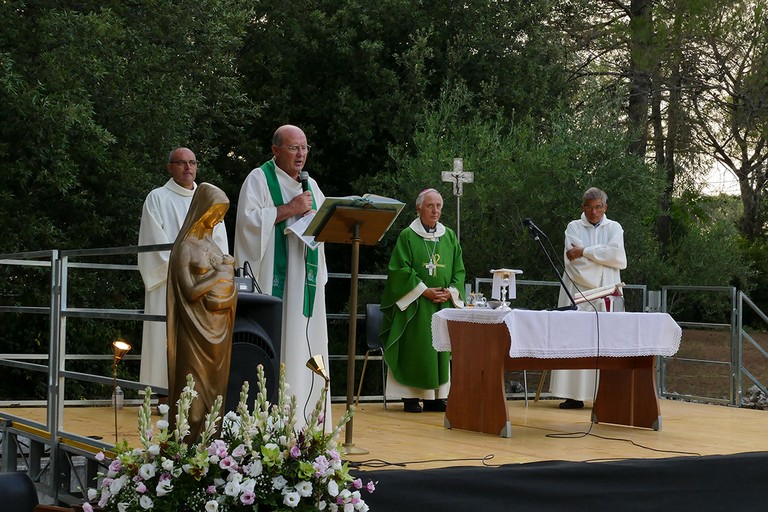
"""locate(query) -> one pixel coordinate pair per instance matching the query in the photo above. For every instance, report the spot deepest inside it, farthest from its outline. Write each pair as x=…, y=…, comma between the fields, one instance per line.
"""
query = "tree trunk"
x=641, y=65
x=751, y=225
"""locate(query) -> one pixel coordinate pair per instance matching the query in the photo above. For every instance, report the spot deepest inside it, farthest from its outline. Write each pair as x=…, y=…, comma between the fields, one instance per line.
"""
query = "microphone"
x=533, y=227
x=304, y=179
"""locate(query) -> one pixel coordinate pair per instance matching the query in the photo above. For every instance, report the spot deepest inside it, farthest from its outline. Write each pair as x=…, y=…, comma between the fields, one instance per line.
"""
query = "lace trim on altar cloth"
x=441, y=340
x=569, y=334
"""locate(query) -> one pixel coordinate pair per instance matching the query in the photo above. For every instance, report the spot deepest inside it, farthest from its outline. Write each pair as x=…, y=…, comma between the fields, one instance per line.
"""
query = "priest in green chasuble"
x=425, y=275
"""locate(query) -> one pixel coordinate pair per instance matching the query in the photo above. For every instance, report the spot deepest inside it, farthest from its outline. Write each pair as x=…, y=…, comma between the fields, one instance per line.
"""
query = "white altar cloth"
x=568, y=334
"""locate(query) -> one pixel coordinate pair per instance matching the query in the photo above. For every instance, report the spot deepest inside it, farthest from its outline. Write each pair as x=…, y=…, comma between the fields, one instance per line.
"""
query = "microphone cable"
x=248, y=272
x=309, y=349
x=577, y=435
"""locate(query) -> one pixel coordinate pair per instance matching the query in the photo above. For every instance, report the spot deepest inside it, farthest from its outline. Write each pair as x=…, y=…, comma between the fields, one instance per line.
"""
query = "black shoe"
x=572, y=404
x=411, y=405
x=435, y=405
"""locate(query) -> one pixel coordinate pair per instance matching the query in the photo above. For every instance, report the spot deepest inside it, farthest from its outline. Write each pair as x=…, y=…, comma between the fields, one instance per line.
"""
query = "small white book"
x=597, y=293
x=299, y=227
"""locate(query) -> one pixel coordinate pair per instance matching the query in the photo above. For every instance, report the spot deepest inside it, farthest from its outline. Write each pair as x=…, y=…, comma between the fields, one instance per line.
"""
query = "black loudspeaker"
x=255, y=341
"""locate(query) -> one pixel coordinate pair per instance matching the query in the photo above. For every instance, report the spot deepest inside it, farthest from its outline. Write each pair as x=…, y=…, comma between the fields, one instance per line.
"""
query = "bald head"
x=290, y=149
x=182, y=165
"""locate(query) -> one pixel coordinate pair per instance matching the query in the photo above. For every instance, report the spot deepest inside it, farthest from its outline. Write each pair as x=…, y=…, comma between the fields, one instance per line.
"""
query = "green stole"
x=281, y=250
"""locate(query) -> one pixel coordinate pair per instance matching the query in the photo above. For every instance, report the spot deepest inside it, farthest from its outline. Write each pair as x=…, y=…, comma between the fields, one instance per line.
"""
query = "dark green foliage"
x=356, y=74
x=524, y=171
x=94, y=96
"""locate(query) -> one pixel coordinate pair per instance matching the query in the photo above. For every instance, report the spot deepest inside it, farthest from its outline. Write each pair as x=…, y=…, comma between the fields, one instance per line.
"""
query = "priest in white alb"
x=161, y=218
x=271, y=199
x=594, y=257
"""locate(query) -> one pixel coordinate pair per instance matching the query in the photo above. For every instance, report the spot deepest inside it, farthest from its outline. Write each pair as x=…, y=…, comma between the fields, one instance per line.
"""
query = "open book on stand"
x=365, y=202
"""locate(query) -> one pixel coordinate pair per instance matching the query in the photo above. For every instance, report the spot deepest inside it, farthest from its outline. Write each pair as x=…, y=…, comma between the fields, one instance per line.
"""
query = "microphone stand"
x=572, y=307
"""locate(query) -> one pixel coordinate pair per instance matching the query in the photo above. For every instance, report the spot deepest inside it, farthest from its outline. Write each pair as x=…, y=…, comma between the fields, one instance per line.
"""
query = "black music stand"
x=353, y=225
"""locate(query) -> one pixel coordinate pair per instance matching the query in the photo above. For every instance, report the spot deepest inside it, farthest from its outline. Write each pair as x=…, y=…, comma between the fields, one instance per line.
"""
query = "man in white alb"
x=161, y=218
x=271, y=199
x=594, y=257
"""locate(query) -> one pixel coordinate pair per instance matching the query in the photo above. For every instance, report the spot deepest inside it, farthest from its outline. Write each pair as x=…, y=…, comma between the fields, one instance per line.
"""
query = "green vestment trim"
x=281, y=249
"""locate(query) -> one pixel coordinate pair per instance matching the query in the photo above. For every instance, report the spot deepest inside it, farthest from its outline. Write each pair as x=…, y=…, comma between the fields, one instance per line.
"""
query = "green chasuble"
x=407, y=335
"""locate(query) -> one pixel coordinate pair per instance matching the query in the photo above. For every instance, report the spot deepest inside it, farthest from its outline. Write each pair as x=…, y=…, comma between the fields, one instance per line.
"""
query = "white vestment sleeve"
x=254, y=228
x=610, y=252
x=411, y=296
x=456, y=298
x=152, y=265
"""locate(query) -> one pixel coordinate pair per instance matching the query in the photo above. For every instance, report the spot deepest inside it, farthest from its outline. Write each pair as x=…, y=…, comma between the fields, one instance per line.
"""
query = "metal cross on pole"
x=458, y=177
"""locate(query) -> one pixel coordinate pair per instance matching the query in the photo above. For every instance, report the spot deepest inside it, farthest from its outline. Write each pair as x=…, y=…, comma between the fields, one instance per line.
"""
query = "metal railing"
x=738, y=339
x=740, y=370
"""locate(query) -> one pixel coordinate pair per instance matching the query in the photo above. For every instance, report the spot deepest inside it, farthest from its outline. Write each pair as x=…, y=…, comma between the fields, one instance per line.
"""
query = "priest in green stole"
x=272, y=198
x=426, y=274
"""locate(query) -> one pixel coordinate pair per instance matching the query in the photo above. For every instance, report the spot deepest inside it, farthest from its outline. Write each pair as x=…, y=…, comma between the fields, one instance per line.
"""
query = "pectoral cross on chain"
x=433, y=264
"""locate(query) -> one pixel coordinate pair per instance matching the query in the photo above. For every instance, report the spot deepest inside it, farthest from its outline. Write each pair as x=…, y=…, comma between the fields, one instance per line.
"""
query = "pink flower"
x=248, y=498
x=228, y=463
x=211, y=489
x=321, y=466
x=239, y=451
x=100, y=456
x=116, y=465
x=141, y=488
x=218, y=448
x=295, y=451
x=87, y=507
x=370, y=486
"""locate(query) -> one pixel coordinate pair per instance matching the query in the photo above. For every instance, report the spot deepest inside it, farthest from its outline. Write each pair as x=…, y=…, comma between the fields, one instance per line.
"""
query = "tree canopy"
x=94, y=95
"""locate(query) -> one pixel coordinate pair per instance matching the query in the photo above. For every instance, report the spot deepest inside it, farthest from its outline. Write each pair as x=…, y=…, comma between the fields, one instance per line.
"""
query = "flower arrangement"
x=258, y=463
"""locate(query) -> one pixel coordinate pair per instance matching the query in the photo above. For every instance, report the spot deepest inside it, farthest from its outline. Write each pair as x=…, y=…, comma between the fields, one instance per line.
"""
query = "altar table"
x=485, y=343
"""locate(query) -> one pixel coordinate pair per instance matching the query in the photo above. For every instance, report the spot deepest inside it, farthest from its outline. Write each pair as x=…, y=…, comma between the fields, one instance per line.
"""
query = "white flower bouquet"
x=258, y=463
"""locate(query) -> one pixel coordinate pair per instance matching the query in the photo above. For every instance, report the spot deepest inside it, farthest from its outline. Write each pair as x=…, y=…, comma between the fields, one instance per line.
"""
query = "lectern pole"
x=348, y=447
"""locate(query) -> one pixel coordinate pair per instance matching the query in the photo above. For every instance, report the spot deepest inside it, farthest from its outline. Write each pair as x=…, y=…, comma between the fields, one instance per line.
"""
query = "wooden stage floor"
x=396, y=439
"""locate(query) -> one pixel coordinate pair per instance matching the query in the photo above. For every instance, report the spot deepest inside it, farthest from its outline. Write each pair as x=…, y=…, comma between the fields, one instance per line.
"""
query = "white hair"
x=593, y=193
x=423, y=193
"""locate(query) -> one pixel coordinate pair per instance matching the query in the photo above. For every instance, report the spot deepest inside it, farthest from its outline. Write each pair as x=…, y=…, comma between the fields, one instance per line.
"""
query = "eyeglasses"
x=192, y=163
x=596, y=208
x=296, y=147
